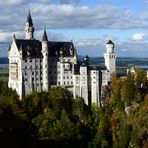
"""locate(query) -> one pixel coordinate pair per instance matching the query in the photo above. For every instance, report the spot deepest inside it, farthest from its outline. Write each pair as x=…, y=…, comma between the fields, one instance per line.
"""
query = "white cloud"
x=68, y=16
x=5, y=37
x=139, y=36
x=86, y=42
x=124, y=50
x=43, y=1
x=12, y=2
x=69, y=1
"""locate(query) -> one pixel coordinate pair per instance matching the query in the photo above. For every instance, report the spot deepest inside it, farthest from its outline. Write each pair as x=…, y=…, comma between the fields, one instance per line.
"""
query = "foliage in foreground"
x=55, y=118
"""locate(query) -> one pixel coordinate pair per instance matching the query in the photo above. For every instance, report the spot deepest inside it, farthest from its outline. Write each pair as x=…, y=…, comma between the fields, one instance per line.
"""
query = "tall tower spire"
x=110, y=57
x=45, y=61
x=29, y=29
x=45, y=38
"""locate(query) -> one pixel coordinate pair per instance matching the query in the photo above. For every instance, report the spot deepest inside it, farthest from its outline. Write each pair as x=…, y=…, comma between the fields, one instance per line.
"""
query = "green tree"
x=116, y=100
x=102, y=137
x=129, y=89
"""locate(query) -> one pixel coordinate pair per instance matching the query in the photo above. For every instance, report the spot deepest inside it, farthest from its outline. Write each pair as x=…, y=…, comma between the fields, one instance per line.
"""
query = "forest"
x=56, y=119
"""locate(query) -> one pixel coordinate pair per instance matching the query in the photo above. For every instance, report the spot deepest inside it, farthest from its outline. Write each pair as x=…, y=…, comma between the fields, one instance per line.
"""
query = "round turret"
x=110, y=46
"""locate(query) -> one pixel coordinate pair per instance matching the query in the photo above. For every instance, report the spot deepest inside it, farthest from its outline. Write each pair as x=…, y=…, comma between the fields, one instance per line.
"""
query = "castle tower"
x=84, y=79
x=45, y=61
x=110, y=57
x=29, y=29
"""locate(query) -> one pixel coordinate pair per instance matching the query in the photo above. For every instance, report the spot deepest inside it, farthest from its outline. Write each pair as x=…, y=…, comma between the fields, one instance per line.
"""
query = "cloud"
x=139, y=36
x=134, y=49
x=51, y=36
x=67, y=14
x=86, y=42
x=124, y=50
x=68, y=17
x=69, y=1
x=92, y=46
x=13, y=2
x=7, y=36
x=44, y=1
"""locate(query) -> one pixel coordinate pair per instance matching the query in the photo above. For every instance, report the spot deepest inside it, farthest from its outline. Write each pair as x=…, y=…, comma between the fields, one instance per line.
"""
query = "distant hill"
x=121, y=61
x=4, y=60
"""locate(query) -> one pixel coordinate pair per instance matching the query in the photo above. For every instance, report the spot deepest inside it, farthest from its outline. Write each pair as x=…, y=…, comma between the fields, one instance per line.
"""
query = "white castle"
x=36, y=65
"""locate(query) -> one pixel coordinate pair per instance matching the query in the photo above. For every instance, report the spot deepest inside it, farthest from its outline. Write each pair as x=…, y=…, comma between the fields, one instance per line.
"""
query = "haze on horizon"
x=89, y=23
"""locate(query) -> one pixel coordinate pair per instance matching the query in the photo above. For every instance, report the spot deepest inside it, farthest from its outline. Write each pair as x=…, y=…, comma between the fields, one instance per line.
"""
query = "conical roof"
x=110, y=42
x=29, y=19
x=45, y=38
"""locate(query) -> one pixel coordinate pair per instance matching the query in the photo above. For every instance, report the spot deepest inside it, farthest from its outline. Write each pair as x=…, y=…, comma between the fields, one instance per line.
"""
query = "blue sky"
x=89, y=23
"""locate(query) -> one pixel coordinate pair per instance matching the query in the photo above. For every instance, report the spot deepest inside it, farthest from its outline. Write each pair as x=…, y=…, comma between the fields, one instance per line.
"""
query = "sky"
x=88, y=23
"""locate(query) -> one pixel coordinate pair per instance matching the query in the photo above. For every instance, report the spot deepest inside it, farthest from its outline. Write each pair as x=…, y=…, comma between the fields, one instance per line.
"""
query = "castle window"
x=68, y=82
x=71, y=82
x=63, y=77
x=64, y=82
x=25, y=67
x=94, y=77
x=33, y=73
x=36, y=72
x=32, y=79
x=67, y=77
x=30, y=60
x=25, y=61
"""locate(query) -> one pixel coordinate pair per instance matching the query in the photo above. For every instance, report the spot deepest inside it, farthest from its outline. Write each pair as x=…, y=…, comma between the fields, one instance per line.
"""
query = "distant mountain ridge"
x=121, y=61
x=4, y=60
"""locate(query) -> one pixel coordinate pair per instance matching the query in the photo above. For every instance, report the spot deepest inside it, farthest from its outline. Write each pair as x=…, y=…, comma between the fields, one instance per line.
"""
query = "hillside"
x=56, y=119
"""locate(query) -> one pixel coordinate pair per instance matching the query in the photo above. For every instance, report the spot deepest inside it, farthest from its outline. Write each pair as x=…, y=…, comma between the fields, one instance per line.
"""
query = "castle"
x=36, y=65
